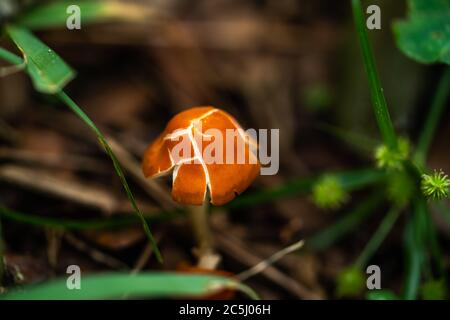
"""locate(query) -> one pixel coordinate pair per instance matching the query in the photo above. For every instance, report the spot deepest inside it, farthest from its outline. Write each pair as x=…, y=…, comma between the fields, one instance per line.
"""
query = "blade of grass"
x=346, y=224
x=10, y=57
x=414, y=249
x=47, y=70
x=363, y=144
x=380, y=234
x=376, y=91
x=63, y=97
x=350, y=181
x=124, y=285
x=432, y=121
x=54, y=14
x=83, y=116
x=83, y=224
x=433, y=242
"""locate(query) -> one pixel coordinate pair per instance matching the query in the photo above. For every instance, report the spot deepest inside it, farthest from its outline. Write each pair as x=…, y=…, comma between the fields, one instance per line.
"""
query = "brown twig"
x=67, y=189
x=54, y=160
x=234, y=248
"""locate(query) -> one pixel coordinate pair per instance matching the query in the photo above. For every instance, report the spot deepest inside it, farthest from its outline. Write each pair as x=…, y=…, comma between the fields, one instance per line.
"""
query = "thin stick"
x=95, y=254
x=236, y=249
x=143, y=259
x=67, y=189
x=260, y=267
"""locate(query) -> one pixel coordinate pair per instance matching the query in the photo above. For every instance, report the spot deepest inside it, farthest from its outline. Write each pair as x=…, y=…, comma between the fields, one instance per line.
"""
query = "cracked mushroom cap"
x=193, y=177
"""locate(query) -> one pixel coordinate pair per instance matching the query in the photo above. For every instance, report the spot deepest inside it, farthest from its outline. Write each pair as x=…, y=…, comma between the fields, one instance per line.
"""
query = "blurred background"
x=291, y=64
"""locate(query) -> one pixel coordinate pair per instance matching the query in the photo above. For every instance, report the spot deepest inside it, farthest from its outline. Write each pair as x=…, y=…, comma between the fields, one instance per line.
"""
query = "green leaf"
x=48, y=71
x=425, y=35
x=124, y=285
x=54, y=14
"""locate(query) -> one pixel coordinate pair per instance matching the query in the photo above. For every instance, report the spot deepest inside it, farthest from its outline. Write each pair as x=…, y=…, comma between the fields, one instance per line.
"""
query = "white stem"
x=198, y=216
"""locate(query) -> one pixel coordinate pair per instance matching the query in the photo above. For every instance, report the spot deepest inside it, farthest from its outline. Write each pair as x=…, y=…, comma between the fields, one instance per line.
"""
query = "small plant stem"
x=435, y=249
x=346, y=224
x=377, y=95
x=85, y=224
x=198, y=216
x=380, y=234
x=415, y=250
x=63, y=97
x=10, y=57
x=432, y=121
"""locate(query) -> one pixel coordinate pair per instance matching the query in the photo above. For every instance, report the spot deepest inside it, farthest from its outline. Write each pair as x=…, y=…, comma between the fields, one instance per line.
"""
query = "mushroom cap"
x=192, y=176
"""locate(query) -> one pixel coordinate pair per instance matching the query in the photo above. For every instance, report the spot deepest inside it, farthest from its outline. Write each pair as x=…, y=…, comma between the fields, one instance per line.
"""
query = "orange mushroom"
x=193, y=177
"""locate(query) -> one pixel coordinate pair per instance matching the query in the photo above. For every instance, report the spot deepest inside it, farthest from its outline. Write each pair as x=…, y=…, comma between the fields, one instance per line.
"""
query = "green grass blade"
x=10, y=57
x=47, y=70
x=434, y=246
x=124, y=285
x=377, y=95
x=54, y=14
x=80, y=113
x=359, y=142
x=83, y=224
x=346, y=224
x=83, y=116
x=378, y=237
x=432, y=121
x=414, y=239
x=349, y=180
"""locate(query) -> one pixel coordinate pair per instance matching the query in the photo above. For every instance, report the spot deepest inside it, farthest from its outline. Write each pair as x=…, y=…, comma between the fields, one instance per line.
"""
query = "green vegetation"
x=399, y=176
